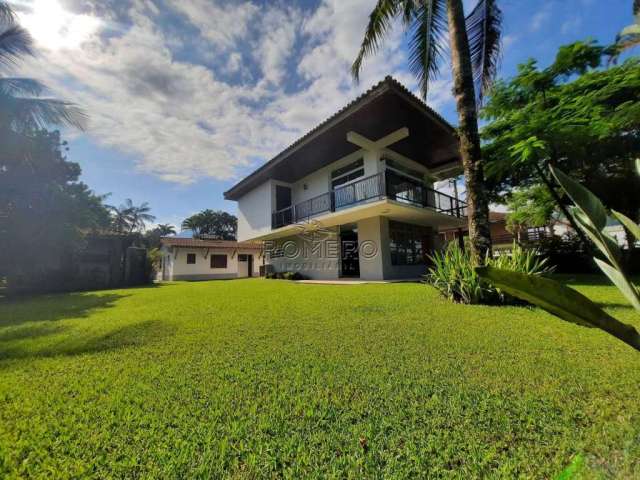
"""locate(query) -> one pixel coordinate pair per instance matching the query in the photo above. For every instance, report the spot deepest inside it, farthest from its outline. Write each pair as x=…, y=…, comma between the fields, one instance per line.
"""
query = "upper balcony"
x=385, y=185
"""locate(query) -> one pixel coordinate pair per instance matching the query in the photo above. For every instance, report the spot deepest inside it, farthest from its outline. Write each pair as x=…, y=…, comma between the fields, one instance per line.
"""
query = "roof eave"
x=388, y=84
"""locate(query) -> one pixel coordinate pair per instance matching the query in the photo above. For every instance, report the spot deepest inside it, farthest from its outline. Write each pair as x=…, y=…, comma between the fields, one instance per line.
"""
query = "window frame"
x=348, y=171
x=212, y=263
x=408, y=244
x=191, y=256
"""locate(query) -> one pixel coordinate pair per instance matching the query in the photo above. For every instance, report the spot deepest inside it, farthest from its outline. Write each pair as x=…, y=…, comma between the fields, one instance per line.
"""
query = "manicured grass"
x=264, y=378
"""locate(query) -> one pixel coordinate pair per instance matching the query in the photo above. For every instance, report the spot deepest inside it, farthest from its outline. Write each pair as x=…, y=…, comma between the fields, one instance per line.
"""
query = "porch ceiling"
x=384, y=109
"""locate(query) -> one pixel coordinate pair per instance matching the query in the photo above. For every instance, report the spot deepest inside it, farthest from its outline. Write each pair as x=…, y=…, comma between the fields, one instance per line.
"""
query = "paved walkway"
x=356, y=282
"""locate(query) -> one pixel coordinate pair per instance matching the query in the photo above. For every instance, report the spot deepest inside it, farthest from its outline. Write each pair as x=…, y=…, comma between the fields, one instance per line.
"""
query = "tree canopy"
x=44, y=209
x=214, y=224
x=587, y=117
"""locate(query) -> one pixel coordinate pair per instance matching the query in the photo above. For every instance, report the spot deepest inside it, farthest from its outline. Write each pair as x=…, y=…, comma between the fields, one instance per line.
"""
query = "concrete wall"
x=177, y=267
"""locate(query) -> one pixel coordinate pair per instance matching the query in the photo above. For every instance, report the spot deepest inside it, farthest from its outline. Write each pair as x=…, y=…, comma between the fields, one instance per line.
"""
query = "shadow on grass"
x=128, y=336
x=59, y=306
x=54, y=307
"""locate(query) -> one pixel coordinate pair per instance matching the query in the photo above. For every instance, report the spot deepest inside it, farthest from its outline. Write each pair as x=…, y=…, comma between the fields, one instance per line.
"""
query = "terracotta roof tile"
x=206, y=243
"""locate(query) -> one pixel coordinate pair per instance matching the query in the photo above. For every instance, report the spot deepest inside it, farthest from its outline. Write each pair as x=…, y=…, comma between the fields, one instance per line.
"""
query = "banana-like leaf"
x=638, y=165
x=632, y=226
x=607, y=245
x=622, y=282
x=560, y=300
x=583, y=198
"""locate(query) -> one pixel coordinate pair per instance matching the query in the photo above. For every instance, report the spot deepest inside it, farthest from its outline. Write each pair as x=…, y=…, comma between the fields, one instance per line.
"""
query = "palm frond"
x=21, y=86
x=24, y=113
x=636, y=8
x=484, y=26
x=7, y=15
x=379, y=22
x=428, y=28
x=15, y=42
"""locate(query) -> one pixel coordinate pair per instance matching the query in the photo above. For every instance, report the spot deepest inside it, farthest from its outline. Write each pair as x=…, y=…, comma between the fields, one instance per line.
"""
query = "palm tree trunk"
x=464, y=92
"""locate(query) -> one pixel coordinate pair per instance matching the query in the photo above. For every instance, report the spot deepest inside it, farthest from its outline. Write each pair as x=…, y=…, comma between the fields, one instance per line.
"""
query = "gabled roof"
x=205, y=243
x=387, y=86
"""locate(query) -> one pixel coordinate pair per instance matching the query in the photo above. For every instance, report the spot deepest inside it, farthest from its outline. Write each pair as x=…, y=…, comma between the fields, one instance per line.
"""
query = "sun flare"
x=55, y=28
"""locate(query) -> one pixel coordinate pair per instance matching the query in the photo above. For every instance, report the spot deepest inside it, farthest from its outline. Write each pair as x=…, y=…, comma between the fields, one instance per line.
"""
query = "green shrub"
x=285, y=276
x=453, y=273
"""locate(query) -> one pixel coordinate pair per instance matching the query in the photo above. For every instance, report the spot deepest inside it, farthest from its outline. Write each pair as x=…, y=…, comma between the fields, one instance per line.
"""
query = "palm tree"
x=165, y=229
x=22, y=107
x=128, y=217
x=629, y=37
x=474, y=44
x=120, y=218
x=194, y=223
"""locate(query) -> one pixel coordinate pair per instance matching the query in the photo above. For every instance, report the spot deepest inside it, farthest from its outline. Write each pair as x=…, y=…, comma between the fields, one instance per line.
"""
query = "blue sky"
x=188, y=96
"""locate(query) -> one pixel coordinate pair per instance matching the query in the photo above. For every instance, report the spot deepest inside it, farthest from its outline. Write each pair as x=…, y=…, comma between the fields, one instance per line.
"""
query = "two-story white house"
x=354, y=197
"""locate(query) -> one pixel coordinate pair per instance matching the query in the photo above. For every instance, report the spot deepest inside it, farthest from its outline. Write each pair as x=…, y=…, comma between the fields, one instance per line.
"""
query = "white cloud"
x=541, y=18
x=571, y=26
x=183, y=121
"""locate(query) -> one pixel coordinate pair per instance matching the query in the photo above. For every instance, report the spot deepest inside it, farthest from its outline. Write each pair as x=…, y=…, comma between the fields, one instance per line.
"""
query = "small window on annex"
x=191, y=258
x=218, y=261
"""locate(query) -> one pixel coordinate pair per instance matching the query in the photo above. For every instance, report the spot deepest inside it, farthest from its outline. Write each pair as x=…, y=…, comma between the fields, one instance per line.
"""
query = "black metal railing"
x=385, y=184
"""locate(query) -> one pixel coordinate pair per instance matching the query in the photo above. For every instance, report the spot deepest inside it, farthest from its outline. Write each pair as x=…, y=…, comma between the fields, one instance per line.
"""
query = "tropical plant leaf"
x=7, y=15
x=560, y=300
x=380, y=21
x=21, y=86
x=583, y=198
x=428, y=26
x=622, y=282
x=15, y=42
x=607, y=245
x=484, y=25
x=632, y=226
x=638, y=165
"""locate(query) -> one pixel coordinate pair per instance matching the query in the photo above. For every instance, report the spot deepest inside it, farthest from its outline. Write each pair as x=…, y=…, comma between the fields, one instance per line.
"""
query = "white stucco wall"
x=254, y=212
x=179, y=269
x=371, y=247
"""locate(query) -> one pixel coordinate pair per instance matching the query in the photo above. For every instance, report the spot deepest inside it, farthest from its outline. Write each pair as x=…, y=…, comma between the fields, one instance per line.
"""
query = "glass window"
x=347, y=178
x=242, y=257
x=409, y=244
x=347, y=168
x=218, y=261
x=347, y=173
x=191, y=258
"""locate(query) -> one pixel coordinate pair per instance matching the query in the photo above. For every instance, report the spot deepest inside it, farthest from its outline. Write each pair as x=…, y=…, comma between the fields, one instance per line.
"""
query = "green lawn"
x=263, y=378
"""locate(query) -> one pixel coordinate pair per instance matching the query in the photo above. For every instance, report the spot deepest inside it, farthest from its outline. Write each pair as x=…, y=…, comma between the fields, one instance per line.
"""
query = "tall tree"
x=474, y=43
x=129, y=218
x=586, y=117
x=214, y=224
x=44, y=210
x=165, y=229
